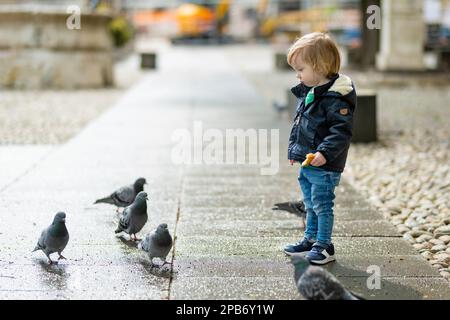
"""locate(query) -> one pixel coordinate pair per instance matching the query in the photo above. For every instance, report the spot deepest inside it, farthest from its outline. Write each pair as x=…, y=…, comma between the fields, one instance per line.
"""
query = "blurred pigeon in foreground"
x=294, y=207
x=157, y=243
x=54, y=238
x=316, y=283
x=134, y=216
x=124, y=196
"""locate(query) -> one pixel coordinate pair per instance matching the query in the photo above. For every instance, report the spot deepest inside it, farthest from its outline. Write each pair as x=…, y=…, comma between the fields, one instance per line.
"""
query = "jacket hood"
x=340, y=86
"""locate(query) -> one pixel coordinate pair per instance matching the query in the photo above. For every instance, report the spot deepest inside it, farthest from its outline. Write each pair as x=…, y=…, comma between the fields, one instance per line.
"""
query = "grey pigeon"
x=54, y=238
x=134, y=216
x=157, y=243
x=316, y=283
x=124, y=196
x=294, y=207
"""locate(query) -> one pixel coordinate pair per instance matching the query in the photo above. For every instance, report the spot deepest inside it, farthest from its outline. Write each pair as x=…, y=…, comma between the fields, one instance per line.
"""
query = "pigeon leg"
x=166, y=262
x=154, y=265
x=61, y=257
x=303, y=226
x=134, y=238
x=50, y=261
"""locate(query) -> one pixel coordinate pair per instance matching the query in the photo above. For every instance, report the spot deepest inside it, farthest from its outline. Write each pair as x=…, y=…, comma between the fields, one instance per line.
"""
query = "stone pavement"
x=228, y=240
x=16, y=161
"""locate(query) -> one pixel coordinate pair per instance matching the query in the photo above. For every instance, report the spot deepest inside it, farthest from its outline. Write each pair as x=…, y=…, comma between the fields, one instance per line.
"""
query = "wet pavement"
x=228, y=240
x=17, y=160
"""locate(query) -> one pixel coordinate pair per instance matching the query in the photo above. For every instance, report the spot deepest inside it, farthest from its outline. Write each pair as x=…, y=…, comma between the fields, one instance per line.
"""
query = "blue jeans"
x=318, y=195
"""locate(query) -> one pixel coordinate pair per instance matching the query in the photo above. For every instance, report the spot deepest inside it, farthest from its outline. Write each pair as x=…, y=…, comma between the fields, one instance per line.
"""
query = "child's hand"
x=319, y=160
x=291, y=162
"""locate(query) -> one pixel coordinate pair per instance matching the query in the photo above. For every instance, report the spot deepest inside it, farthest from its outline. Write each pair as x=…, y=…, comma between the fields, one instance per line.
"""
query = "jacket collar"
x=339, y=83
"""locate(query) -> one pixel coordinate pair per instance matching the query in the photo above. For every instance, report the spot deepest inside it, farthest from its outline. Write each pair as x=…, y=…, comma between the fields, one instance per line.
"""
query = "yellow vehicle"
x=290, y=23
x=291, y=19
x=201, y=19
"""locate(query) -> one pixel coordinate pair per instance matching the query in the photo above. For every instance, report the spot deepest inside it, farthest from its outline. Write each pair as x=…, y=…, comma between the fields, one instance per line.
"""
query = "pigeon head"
x=162, y=228
x=60, y=217
x=300, y=265
x=162, y=236
x=142, y=196
x=140, y=203
x=139, y=184
x=58, y=227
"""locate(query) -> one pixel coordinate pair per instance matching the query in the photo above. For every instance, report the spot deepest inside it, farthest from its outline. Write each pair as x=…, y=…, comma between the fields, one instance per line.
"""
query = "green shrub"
x=121, y=31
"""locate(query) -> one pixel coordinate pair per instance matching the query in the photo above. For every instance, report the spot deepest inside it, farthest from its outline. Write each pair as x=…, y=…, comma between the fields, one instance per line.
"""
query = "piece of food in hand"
x=309, y=158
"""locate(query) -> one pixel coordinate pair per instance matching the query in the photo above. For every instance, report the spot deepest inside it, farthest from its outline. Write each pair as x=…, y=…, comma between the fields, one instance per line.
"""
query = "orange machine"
x=195, y=20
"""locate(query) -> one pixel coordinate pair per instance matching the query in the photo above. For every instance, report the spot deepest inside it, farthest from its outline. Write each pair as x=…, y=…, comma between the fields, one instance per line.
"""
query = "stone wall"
x=38, y=51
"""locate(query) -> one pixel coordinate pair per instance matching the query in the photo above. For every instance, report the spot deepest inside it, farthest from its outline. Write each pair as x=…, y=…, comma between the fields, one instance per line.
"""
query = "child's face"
x=306, y=74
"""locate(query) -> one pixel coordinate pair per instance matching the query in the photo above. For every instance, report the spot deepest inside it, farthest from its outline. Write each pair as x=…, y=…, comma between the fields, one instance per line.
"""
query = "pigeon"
x=134, y=216
x=54, y=238
x=124, y=196
x=294, y=207
x=316, y=283
x=157, y=243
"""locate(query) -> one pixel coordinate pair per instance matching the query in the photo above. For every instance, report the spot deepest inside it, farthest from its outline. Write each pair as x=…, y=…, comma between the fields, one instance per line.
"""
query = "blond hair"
x=318, y=50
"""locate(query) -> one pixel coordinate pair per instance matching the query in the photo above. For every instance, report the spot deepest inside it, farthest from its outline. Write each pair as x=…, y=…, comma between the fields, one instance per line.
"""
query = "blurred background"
x=400, y=36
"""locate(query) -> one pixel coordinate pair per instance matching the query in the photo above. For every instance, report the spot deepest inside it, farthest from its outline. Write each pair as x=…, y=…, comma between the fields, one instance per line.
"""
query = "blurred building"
x=43, y=45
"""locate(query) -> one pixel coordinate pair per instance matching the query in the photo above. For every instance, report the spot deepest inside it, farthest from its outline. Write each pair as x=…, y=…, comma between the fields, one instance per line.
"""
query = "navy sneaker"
x=300, y=248
x=321, y=255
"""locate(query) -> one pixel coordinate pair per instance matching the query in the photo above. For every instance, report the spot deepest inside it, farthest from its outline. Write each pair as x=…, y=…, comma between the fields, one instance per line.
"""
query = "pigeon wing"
x=318, y=284
x=124, y=195
x=283, y=206
x=145, y=244
x=124, y=221
x=41, y=242
x=299, y=206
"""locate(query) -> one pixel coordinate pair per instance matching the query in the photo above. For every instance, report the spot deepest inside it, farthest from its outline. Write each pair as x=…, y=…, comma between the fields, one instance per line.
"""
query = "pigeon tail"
x=36, y=249
x=105, y=200
x=354, y=296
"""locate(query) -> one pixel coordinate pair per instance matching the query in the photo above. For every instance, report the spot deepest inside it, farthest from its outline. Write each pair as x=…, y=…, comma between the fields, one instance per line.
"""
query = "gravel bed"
x=406, y=174
x=53, y=116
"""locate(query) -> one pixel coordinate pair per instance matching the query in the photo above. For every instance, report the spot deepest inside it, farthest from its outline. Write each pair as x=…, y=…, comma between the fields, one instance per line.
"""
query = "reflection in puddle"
x=129, y=243
x=156, y=270
x=53, y=276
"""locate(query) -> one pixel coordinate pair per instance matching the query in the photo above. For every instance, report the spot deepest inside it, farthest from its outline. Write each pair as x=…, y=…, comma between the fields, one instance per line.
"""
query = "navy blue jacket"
x=324, y=125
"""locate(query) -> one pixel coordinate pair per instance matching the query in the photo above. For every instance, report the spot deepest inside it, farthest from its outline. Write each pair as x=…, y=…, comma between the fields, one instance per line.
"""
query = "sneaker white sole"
x=324, y=261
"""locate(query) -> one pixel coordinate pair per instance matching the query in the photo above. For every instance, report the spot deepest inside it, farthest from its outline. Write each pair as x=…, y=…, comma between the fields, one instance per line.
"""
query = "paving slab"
x=223, y=226
x=75, y=281
x=346, y=266
x=400, y=288
x=20, y=159
x=232, y=288
x=219, y=246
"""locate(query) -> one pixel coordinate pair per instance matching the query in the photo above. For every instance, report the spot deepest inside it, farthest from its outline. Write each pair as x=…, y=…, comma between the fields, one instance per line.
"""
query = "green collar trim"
x=310, y=97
